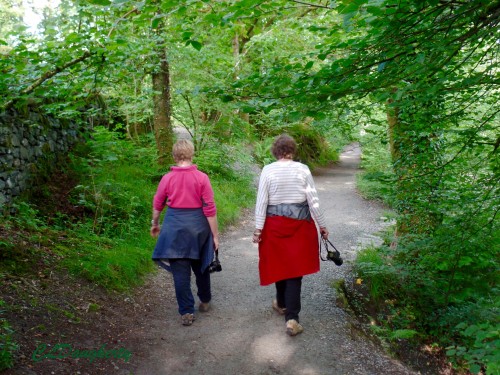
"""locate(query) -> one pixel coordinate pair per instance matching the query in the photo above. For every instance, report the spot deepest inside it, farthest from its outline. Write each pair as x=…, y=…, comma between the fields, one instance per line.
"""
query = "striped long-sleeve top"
x=287, y=182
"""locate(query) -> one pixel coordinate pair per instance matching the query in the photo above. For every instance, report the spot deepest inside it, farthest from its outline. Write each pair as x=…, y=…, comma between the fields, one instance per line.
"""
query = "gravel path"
x=241, y=334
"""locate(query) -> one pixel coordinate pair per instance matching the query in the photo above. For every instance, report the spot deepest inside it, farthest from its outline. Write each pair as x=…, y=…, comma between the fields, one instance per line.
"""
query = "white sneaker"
x=187, y=319
x=293, y=327
x=204, y=306
x=279, y=310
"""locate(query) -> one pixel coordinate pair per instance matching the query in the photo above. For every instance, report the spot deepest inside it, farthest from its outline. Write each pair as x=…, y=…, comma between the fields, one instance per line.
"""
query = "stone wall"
x=30, y=142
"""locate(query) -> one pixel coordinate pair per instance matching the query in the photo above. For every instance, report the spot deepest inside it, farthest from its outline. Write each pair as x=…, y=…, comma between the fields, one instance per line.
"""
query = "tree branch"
x=311, y=5
x=47, y=75
x=58, y=69
x=134, y=10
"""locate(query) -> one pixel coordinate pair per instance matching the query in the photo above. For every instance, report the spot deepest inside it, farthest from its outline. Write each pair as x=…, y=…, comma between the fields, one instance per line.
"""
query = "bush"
x=438, y=288
x=262, y=151
x=312, y=148
x=481, y=347
x=228, y=162
x=377, y=178
x=371, y=266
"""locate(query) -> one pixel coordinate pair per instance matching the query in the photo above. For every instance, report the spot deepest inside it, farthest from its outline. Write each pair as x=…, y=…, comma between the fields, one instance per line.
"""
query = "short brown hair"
x=182, y=150
x=284, y=146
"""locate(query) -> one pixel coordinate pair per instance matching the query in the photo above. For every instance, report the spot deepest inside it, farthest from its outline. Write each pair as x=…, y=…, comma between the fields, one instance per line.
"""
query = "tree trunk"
x=237, y=49
x=162, y=110
x=392, y=121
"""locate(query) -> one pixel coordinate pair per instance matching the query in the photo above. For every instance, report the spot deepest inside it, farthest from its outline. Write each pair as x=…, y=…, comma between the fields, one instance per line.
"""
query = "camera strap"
x=324, y=244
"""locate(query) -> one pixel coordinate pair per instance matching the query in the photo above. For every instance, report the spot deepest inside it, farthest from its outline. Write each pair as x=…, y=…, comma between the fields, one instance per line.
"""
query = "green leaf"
x=391, y=10
x=295, y=116
x=111, y=47
x=196, y=45
x=247, y=109
x=403, y=334
x=475, y=368
x=73, y=37
x=309, y=65
x=155, y=23
x=351, y=6
x=376, y=11
x=100, y=2
x=227, y=98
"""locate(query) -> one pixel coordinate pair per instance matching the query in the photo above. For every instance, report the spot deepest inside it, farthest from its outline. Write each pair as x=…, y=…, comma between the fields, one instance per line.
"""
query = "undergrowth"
x=101, y=229
x=375, y=181
x=449, y=307
x=437, y=287
x=7, y=345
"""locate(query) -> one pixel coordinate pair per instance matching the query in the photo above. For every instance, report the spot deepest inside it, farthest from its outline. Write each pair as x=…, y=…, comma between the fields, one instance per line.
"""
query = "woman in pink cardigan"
x=189, y=234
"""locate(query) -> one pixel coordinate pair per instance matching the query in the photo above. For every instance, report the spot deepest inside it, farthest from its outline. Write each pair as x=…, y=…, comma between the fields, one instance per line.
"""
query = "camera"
x=335, y=257
x=331, y=254
x=215, y=265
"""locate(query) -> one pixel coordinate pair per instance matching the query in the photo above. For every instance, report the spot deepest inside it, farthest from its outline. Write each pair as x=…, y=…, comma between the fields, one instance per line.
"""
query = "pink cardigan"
x=185, y=187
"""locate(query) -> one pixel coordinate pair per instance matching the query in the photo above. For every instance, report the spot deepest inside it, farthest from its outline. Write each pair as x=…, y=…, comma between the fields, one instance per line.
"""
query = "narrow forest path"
x=241, y=334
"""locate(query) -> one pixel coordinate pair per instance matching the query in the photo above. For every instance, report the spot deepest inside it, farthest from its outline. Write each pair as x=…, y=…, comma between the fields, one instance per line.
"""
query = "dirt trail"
x=241, y=334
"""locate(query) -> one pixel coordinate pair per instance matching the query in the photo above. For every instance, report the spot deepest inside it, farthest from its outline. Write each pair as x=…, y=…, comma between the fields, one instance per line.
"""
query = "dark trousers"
x=181, y=271
x=288, y=296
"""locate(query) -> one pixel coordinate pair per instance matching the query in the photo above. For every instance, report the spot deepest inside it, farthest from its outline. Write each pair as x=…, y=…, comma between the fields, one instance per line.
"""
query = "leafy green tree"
x=94, y=37
x=11, y=18
x=429, y=61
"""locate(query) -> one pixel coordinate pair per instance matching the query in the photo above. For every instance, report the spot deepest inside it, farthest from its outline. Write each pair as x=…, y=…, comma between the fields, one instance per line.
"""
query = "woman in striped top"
x=286, y=214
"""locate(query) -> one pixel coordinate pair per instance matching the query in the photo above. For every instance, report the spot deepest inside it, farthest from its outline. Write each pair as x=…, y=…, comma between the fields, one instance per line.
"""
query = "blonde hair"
x=183, y=150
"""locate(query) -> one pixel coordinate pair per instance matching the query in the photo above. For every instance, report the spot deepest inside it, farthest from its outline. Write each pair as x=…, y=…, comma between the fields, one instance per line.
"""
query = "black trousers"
x=288, y=296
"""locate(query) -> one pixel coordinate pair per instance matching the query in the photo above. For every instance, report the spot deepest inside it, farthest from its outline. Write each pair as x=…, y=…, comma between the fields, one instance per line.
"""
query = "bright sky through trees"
x=33, y=11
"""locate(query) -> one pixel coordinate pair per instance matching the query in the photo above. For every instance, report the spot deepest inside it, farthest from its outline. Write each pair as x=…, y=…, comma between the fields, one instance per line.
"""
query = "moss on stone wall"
x=30, y=143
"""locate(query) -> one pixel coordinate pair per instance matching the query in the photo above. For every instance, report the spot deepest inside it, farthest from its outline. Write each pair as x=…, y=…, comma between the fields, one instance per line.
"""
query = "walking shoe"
x=293, y=327
x=204, y=306
x=187, y=319
x=279, y=310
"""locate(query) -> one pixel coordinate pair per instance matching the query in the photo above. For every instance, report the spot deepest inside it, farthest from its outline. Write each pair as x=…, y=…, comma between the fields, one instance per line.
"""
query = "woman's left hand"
x=155, y=230
x=256, y=236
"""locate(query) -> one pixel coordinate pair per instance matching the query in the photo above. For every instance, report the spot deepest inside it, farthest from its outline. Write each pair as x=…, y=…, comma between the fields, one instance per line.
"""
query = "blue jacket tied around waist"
x=185, y=233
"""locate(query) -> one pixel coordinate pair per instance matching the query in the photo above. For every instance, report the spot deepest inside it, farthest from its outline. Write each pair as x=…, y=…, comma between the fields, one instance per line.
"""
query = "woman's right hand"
x=324, y=232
